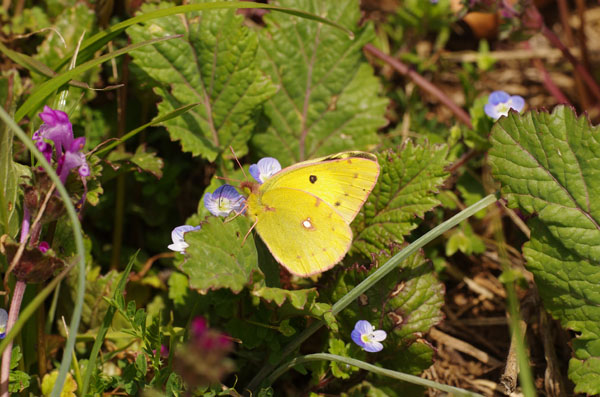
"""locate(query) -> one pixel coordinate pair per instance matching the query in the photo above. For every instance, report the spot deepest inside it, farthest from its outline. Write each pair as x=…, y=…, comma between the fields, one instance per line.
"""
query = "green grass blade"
x=46, y=89
x=455, y=391
x=157, y=120
x=373, y=279
x=76, y=317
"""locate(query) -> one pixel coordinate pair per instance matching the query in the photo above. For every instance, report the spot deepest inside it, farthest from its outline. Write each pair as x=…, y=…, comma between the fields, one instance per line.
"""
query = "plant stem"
x=13, y=314
x=581, y=70
x=422, y=83
x=371, y=281
x=455, y=391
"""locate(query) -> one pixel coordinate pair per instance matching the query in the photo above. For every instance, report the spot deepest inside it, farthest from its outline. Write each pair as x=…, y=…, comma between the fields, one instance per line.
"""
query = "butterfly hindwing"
x=343, y=181
x=302, y=231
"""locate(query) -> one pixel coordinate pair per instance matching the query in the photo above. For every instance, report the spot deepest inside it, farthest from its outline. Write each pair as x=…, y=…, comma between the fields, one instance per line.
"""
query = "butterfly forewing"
x=302, y=231
x=343, y=181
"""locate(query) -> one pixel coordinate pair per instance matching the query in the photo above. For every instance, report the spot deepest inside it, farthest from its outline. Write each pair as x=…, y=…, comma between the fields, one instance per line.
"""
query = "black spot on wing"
x=312, y=178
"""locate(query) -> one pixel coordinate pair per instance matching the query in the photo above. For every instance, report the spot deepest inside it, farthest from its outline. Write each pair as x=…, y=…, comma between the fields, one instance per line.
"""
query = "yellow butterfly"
x=303, y=212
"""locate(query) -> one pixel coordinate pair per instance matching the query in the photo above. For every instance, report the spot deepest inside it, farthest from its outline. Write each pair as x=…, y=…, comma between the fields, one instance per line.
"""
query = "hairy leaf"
x=404, y=191
x=213, y=63
x=549, y=165
x=217, y=257
x=328, y=98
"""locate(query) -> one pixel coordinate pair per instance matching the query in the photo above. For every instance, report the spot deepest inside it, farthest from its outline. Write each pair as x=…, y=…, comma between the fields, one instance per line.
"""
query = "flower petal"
x=379, y=335
x=264, y=169
x=223, y=201
x=364, y=327
x=517, y=102
x=357, y=338
x=497, y=97
x=373, y=347
x=177, y=235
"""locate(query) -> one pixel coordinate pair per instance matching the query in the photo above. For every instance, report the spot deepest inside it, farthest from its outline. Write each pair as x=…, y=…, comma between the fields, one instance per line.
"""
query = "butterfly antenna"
x=237, y=214
x=249, y=230
x=238, y=161
x=223, y=178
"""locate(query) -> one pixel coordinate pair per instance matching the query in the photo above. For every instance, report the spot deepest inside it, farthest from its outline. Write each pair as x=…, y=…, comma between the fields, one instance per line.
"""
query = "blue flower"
x=365, y=336
x=224, y=200
x=264, y=169
x=3, y=321
x=499, y=103
x=177, y=234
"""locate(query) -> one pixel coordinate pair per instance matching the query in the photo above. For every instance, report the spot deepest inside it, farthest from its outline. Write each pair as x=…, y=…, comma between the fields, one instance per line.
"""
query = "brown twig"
x=553, y=381
x=464, y=347
x=421, y=82
x=148, y=265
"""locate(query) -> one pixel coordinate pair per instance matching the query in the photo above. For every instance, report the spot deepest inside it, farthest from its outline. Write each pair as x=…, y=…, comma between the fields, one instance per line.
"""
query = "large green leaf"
x=549, y=165
x=404, y=192
x=328, y=98
x=216, y=256
x=213, y=63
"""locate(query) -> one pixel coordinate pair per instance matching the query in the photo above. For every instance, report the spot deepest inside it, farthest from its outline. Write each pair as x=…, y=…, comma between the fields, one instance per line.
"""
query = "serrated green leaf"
x=328, y=98
x=549, y=164
x=567, y=284
x=216, y=256
x=297, y=298
x=214, y=64
x=18, y=381
x=405, y=190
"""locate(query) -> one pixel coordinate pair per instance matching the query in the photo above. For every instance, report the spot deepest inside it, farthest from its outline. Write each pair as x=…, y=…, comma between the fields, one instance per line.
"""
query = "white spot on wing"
x=307, y=223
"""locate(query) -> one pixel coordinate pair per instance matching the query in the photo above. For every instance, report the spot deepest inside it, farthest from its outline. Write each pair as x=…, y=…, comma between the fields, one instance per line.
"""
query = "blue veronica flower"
x=366, y=336
x=3, y=321
x=224, y=200
x=177, y=234
x=264, y=169
x=499, y=103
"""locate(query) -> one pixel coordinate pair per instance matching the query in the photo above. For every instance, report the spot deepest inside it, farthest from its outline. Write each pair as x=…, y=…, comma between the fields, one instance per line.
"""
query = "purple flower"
x=3, y=321
x=58, y=129
x=43, y=246
x=177, y=234
x=264, y=169
x=365, y=336
x=224, y=200
x=499, y=103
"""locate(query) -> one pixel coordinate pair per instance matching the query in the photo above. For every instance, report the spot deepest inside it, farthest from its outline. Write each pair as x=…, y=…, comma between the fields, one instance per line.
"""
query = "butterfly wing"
x=343, y=181
x=303, y=233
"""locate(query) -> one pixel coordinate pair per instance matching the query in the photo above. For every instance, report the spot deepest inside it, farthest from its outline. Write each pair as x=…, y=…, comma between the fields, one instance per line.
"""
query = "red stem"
x=13, y=314
x=422, y=83
x=585, y=75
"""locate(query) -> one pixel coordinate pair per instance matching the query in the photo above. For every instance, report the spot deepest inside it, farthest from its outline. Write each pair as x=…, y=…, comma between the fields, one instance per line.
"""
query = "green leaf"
x=18, y=381
x=9, y=219
x=549, y=165
x=216, y=256
x=141, y=160
x=71, y=24
x=405, y=190
x=339, y=370
x=178, y=288
x=214, y=64
x=567, y=284
x=328, y=98
x=297, y=298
